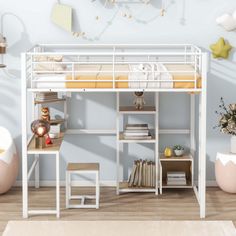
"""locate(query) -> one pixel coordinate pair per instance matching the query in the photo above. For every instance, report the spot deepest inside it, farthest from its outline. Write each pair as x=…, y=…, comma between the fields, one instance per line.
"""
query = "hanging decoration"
x=227, y=21
x=62, y=15
x=221, y=49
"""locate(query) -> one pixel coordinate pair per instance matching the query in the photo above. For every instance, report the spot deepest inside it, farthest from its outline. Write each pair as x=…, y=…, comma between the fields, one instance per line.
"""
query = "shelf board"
x=52, y=148
x=133, y=110
x=50, y=101
x=122, y=140
x=2, y=66
x=188, y=185
x=57, y=121
x=186, y=157
x=124, y=188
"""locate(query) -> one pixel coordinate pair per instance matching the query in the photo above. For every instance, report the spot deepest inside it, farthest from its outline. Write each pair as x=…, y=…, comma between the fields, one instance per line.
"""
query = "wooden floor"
x=172, y=205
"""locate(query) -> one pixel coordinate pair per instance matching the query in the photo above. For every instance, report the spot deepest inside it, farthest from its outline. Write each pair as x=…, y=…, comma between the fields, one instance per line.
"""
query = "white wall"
x=186, y=21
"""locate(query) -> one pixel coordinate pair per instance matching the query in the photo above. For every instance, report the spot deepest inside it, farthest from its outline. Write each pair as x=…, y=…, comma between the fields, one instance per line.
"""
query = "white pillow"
x=228, y=21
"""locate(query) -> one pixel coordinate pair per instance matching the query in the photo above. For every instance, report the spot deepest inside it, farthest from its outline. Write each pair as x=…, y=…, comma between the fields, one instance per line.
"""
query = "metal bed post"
x=117, y=144
x=156, y=152
x=202, y=138
x=192, y=134
x=24, y=135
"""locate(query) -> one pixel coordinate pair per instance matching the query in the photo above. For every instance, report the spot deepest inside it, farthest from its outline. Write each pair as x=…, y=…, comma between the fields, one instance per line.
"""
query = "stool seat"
x=83, y=166
x=82, y=169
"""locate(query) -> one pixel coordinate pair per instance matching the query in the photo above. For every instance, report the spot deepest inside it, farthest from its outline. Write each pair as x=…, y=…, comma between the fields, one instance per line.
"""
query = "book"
x=136, y=132
x=136, y=174
x=136, y=126
x=176, y=183
x=132, y=176
x=176, y=173
x=149, y=137
x=140, y=174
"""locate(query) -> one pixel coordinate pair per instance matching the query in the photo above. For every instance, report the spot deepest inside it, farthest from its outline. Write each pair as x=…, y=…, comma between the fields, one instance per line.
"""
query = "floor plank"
x=172, y=205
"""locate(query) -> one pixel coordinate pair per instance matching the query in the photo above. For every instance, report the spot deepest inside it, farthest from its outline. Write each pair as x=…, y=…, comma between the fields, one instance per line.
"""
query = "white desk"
x=53, y=149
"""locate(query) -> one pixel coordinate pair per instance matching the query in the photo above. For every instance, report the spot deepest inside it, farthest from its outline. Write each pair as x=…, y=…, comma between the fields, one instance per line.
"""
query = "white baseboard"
x=104, y=183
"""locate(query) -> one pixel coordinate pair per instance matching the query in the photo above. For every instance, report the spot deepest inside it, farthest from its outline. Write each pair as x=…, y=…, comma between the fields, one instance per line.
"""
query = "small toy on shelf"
x=45, y=113
x=48, y=140
x=178, y=150
x=168, y=152
x=139, y=101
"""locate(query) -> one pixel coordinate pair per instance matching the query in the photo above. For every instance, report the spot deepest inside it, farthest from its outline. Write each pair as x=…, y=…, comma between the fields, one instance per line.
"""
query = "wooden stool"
x=82, y=168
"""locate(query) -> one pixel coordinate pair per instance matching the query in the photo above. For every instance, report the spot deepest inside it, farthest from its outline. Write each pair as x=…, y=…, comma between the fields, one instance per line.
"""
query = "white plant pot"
x=233, y=144
x=179, y=153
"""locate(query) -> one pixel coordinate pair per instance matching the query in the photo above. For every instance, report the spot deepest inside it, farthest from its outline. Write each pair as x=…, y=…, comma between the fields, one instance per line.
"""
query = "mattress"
x=100, y=76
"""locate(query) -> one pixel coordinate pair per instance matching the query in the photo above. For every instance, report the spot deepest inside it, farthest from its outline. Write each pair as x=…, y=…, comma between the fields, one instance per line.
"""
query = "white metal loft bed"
x=152, y=68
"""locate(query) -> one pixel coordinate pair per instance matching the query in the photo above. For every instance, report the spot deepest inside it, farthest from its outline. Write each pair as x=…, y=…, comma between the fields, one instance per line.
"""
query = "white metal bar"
x=36, y=173
x=109, y=62
x=160, y=177
x=192, y=125
x=117, y=144
x=111, y=72
x=88, y=131
x=115, y=90
x=67, y=189
x=117, y=53
x=196, y=194
x=66, y=113
x=97, y=190
x=174, y=131
x=113, y=132
x=80, y=206
x=156, y=153
x=82, y=197
x=42, y=212
x=32, y=168
x=58, y=185
x=137, y=190
x=202, y=141
x=24, y=136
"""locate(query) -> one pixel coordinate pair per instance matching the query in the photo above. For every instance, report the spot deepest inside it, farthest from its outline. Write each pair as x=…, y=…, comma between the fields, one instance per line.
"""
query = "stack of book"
x=137, y=132
x=42, y=97
x=142, y=174
x=176, y=178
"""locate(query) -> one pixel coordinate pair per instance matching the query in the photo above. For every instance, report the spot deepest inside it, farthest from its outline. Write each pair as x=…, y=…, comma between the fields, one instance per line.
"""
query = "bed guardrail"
x=110, y=67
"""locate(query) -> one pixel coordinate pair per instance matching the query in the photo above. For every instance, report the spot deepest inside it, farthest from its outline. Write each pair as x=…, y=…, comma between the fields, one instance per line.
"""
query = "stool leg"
x=67, y=189
x=97, y=190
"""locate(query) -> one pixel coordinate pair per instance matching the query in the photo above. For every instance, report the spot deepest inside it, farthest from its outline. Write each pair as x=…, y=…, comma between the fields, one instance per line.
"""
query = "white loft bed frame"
x=115, y=55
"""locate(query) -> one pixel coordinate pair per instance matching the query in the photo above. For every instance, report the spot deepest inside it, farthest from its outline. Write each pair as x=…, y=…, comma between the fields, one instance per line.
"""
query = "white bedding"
x=139, y=72
x=149, y=72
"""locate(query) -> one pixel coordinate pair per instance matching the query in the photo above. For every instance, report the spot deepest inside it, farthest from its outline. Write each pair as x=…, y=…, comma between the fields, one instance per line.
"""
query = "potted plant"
x=227, y=122
x=178, y=150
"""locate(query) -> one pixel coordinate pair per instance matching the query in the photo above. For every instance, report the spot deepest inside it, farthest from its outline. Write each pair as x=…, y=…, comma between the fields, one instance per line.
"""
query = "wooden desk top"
x=53, y=148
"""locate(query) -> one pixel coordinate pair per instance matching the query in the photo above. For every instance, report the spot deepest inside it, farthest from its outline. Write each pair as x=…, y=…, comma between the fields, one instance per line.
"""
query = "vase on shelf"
x=233, y=144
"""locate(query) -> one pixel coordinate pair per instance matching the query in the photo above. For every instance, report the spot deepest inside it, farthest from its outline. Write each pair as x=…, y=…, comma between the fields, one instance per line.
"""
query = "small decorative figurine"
x=45, y=113
x=139, y=101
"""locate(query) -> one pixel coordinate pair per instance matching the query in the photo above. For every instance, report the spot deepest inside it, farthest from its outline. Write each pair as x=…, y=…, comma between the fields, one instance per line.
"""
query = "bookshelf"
x=39, y=104
x=184, y=163
x=122, y=111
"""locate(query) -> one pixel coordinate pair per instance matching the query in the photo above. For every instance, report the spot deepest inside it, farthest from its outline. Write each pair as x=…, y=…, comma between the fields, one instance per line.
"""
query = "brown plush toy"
x=45, y=113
